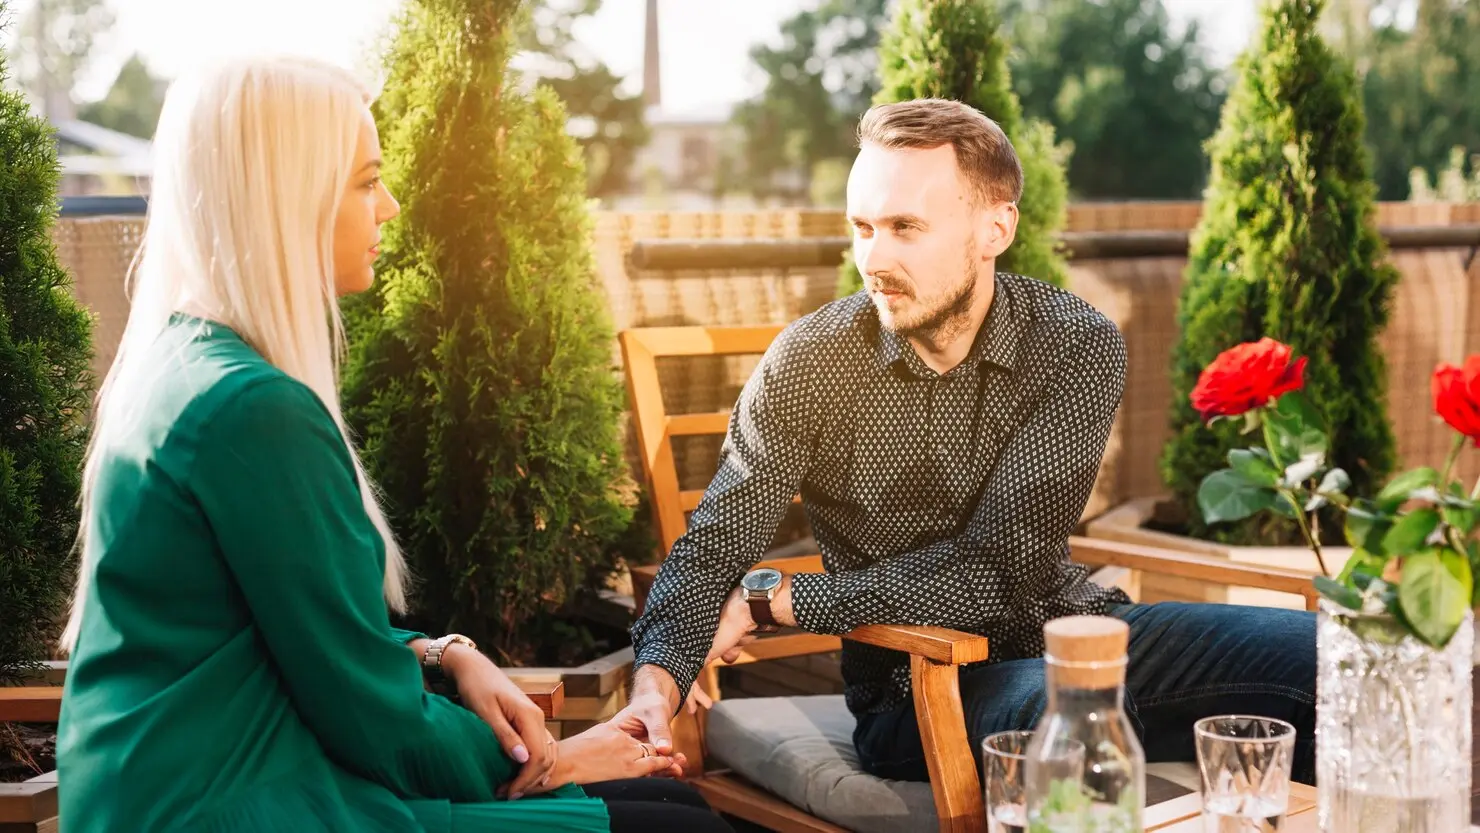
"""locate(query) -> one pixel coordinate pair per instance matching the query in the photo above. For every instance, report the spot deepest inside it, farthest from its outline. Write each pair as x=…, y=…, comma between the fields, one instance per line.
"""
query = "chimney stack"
x=652, y=86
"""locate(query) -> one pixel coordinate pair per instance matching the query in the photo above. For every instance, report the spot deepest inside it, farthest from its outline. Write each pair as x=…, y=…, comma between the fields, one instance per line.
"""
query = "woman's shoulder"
x=205, y=382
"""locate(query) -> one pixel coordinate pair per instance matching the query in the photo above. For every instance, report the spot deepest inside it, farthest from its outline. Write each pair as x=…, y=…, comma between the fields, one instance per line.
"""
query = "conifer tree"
x=481, y=380
x=45, y=388
x=1287, y=247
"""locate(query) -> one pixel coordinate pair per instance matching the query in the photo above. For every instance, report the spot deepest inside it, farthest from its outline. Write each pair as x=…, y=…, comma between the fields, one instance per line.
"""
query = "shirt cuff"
x=683, y=670
x=814, y=603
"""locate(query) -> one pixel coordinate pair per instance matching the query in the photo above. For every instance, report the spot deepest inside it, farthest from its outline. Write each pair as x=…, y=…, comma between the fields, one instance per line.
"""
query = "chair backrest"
x=656, y=428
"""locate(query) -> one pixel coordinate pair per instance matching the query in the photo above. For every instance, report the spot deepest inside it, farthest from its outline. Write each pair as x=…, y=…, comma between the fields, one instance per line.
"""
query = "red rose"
x=1457, y=396
x=1248, y=376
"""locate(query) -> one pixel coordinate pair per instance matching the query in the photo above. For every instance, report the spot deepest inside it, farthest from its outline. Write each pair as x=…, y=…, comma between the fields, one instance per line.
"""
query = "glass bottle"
x=1105, y=790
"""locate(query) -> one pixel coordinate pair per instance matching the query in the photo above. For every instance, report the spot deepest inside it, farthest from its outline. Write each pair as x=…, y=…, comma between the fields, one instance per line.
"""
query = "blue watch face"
x=759, y=581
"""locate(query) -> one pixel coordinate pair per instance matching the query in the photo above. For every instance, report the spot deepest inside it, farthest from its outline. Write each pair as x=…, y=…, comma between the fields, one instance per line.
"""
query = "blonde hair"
x=983, y=152
x=251, y=157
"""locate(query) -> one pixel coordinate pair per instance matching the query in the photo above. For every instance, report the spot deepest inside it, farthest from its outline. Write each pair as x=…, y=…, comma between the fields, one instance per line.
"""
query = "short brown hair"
x=983, y=152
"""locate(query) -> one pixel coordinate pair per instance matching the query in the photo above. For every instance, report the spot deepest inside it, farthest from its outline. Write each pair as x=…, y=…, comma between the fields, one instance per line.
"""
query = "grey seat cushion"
x=801, y=750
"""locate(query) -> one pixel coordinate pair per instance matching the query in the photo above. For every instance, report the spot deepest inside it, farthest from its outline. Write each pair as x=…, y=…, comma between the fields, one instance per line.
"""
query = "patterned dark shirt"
x=936, y=499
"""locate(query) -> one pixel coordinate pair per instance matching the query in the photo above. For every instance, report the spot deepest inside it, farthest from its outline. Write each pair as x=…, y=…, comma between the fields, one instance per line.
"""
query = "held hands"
x=516, y=721
x=606, y=753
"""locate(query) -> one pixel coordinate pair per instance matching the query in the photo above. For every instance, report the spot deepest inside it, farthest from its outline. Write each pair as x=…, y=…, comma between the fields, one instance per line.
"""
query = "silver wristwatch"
x=431, y=663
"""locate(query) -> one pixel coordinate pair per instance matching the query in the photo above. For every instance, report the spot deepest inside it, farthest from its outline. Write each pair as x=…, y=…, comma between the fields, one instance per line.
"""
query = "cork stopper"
x=1087, y=651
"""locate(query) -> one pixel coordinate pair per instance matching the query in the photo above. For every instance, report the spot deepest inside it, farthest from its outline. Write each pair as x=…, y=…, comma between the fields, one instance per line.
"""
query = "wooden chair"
x=758, y=792
x=31, y=806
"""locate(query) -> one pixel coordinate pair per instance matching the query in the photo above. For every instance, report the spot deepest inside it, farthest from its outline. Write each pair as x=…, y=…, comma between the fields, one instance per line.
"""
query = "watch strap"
x=760, y=611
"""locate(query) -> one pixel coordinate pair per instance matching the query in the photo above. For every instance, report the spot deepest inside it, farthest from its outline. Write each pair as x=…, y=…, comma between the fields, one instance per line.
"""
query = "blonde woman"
x=233, y=664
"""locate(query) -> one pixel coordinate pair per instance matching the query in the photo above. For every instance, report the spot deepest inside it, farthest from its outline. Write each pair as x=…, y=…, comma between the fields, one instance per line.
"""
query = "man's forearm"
x=655, y=679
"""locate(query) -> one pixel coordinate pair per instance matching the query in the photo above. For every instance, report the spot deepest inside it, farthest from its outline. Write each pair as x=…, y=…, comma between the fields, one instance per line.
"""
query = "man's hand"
x=735, y=629
x=515, y=720
x=654, y=699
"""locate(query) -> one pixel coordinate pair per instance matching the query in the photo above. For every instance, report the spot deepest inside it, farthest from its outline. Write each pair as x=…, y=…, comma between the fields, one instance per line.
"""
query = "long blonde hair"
x=251, y=157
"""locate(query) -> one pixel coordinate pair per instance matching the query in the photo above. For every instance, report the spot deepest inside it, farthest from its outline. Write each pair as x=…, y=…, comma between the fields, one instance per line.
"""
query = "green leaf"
x=1336, y=482
x=1472, y=550
x=1255, y=465
x=1399, y=488
x=1435, y=593
x=1283, y=507
x=1361, y=563
x=1226, y=495
x=1366, y=526
x=1338, y=593
x=1293, y=429
x=1463, y=519
x=1411, y=532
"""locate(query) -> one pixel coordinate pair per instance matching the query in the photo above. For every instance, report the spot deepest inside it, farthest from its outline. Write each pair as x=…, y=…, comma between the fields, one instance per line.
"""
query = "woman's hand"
x=516, y=721
x=606, y=753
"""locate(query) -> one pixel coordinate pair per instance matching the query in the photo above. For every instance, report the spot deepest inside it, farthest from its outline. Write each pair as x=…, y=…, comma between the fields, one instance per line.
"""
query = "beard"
x=944, y=314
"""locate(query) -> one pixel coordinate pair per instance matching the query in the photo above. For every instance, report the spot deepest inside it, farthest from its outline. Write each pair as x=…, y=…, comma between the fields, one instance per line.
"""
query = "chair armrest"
x=939, y=645
x=1095, y=552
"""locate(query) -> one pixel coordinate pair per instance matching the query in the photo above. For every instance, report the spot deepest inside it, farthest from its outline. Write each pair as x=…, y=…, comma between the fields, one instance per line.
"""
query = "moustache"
x=886, y=285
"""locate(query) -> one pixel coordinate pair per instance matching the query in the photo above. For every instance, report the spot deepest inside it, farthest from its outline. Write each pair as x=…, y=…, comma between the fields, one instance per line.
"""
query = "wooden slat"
x=729, y=794
x=704, y=341
x=28, y=801
x=688, y=425
x=1096, y=552
x=30, y=704
x=650, y=420
x=948, y=756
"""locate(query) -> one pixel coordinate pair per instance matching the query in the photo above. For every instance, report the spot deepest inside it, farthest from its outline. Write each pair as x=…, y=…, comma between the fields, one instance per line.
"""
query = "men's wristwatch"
x=431, y=663
x=758, y=588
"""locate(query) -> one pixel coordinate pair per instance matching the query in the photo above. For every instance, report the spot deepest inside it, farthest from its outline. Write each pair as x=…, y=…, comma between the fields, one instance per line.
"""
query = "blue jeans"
x=1187, y=661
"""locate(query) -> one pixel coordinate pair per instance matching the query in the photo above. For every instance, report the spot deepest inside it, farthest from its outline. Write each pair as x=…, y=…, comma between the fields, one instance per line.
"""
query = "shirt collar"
x=996, y=342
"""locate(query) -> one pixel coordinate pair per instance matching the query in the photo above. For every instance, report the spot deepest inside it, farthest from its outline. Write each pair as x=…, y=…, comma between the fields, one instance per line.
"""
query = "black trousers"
x=644, y=805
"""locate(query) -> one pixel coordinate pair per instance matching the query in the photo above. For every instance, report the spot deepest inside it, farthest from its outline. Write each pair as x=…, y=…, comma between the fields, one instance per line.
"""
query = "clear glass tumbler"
x=1004, y=763
x=1245, y=763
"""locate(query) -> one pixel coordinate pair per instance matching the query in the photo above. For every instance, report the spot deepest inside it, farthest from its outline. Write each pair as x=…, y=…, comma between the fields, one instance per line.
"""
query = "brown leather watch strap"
x=760, y=611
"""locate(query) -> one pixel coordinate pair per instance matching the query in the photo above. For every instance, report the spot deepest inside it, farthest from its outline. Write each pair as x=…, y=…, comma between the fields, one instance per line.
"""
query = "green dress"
x=236, y=668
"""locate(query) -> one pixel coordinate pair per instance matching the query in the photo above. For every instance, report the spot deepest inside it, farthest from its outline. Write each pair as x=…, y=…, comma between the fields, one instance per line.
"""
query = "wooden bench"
x=954, y=793
x=31, y=806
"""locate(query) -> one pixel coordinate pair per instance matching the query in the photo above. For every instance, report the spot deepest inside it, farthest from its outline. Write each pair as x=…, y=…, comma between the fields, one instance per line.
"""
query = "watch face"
x=762, y=580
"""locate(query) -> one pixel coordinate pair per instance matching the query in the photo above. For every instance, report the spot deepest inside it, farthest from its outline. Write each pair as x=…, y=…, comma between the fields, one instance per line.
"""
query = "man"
x=944, y=429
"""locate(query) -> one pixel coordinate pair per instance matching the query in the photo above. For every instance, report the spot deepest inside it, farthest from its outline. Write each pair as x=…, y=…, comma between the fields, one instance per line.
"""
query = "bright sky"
x=705, y=43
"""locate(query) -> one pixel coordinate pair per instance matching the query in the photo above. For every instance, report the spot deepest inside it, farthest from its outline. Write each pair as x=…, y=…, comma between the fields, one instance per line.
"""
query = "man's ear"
x=999, y=229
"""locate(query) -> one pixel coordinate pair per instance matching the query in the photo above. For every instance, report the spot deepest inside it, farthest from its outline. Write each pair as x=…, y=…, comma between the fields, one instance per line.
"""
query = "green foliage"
x=955, y=49
x=132, y=104
x=1134, y=99
x=1414, y=558
x=45, y=388
x=819, y=80
x=610, y=125
x=481, y=380
x=1419, y=90
x=1287, y=248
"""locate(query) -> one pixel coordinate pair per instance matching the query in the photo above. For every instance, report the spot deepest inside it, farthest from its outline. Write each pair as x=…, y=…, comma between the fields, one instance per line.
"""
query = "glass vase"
x=1392, y=726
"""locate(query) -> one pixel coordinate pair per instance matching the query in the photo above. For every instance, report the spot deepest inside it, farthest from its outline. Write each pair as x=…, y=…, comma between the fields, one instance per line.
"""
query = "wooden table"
x=1184, y=815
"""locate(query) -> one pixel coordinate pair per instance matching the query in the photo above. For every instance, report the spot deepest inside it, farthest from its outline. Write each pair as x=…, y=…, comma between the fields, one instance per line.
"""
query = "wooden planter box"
x=1126, y=523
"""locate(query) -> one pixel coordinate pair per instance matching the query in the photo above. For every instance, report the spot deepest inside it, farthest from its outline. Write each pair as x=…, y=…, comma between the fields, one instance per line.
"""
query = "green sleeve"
x=406, y=637
x=275, y=480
